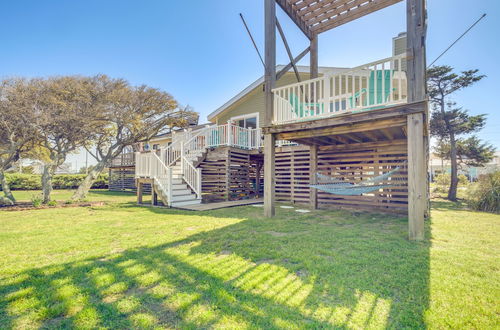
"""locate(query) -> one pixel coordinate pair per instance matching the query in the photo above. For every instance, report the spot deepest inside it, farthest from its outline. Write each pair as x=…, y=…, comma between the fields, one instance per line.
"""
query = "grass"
x=65, y=195
x=123, y=266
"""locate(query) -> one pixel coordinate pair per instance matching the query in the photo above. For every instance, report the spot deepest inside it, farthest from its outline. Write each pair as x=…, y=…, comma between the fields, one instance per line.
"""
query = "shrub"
x=442, y=182
x=484, y=195
x=36, y=200
x=52, y=203
x=20, y=181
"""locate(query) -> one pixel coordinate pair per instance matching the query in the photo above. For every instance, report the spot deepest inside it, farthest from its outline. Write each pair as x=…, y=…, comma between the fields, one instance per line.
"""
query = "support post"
x=269, y=175
x=416, y=16
x=417, y=187
x=269, y=83
x=313, y=57
x=154, y=195
x=313, y=168
x=140, y=188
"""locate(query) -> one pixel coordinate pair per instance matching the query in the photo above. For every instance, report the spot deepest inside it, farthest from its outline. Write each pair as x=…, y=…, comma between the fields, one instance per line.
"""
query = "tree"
x=67, y=107
x=131, y=115
x=447, y=121
x=471, y=151
x=17, y=113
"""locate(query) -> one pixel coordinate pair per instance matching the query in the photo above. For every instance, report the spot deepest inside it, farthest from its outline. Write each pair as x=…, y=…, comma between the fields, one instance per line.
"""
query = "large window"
x=247, y=121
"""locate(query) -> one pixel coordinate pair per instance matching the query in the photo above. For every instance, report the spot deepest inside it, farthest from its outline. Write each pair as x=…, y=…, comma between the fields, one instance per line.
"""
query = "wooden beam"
x=417, y=174
x=270, y=58
x=288, y=51
x=313, y=168
x=370, y=135
x=352, y=14
x=339, y=139
x=387, y=134
x=394, y=111
x=291, y=64
x=269, y=174
x=140, y=190
x=293, y=14
x=313, y=66
x=342, y=129
x=354, y=138
x=415, y=38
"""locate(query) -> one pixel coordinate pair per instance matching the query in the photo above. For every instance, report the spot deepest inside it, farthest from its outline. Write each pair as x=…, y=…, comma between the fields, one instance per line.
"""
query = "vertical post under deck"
x=313, y=193
x=269, y=175
x=140, y=188
x=417, y=145
x=313, y=67
x=269, y=83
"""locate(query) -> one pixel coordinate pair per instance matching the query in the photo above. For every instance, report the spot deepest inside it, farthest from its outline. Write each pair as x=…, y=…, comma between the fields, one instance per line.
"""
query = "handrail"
x=151, y=166
x=368, y=86
x=192, y=176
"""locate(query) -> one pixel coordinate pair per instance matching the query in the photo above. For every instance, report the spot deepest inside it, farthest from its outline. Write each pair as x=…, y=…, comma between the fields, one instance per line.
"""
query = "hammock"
x=340, y=187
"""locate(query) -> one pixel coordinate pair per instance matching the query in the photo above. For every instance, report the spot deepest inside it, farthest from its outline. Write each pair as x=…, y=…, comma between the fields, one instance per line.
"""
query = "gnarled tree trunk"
x=452, y=192
x=84, y=187
x=5, y=187
x=48, y=172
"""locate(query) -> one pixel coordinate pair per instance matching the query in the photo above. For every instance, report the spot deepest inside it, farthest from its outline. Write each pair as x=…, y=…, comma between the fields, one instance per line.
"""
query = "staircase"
x=174, y=170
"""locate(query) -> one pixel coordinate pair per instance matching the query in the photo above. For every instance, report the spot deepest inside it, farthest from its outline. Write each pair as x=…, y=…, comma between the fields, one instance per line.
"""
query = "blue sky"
x=200, y=53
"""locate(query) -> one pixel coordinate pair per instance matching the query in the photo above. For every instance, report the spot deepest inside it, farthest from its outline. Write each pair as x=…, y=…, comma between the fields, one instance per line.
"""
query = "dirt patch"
x=25, y=206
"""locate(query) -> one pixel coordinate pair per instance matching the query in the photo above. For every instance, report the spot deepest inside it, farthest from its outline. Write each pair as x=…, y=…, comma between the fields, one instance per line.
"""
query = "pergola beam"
x=351, y=14
x=293, y=14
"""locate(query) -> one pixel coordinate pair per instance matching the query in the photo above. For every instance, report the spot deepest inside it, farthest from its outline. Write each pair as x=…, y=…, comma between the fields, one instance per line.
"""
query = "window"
x=247, y=121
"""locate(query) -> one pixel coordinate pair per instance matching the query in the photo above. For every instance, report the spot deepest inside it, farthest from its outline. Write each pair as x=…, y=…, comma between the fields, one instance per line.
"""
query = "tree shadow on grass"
x=327, y=269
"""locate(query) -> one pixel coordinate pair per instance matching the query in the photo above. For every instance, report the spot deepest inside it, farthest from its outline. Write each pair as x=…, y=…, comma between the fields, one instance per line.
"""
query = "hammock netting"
x=342, y=187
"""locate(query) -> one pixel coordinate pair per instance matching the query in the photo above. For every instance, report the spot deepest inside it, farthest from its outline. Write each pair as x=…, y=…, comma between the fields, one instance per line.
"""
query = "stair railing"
x=162, y=176
x=189, y=150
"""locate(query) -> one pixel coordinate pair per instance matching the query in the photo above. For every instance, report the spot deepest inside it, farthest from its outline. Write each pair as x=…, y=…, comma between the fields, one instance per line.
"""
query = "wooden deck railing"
x=124, y=159
x=367, y=87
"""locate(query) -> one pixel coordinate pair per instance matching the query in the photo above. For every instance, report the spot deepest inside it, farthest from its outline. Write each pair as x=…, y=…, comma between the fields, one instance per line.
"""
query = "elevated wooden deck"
x=385, y=124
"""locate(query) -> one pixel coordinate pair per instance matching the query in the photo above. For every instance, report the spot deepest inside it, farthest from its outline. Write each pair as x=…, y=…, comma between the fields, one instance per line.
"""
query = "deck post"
x=313, y=57
x=416, y=123
x=269, y=83
x=154, y=195
x=269, y=175
x=417, y=188
x=140, y=188
x=313, y=168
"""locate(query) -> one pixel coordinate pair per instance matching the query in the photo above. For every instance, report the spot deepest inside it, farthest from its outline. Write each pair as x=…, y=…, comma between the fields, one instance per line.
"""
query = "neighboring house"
x=438, y=165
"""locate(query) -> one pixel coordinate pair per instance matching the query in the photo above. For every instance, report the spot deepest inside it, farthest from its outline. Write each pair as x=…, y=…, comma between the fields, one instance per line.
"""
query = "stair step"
x=184, y=198
x=179, y=204
x=181, y=192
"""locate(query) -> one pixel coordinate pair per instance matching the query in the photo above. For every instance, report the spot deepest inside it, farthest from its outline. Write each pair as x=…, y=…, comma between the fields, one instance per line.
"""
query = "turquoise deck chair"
x=375, y=96
x=299, y=108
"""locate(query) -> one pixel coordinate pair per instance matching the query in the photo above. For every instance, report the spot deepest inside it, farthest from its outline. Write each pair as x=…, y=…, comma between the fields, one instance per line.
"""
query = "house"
x=326, y=137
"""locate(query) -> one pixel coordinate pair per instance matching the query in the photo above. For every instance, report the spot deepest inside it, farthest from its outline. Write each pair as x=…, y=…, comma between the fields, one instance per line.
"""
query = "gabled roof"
x=260, y=81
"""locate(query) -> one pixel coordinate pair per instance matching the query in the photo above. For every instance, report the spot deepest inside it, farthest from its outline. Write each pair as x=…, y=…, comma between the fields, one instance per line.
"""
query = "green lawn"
x=124, y=266
x=65, y=195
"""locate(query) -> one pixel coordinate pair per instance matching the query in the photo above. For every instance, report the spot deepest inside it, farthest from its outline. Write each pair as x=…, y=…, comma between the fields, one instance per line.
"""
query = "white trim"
x=245, y=116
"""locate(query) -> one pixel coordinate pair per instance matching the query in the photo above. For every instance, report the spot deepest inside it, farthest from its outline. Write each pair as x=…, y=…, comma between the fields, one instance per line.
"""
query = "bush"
x=36, y=200
x=442, y=182
x=52, y=203
x=20, y=181
x=484, y=195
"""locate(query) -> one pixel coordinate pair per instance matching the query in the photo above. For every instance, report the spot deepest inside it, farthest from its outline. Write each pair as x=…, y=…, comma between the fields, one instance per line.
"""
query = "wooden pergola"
x=317, y=16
